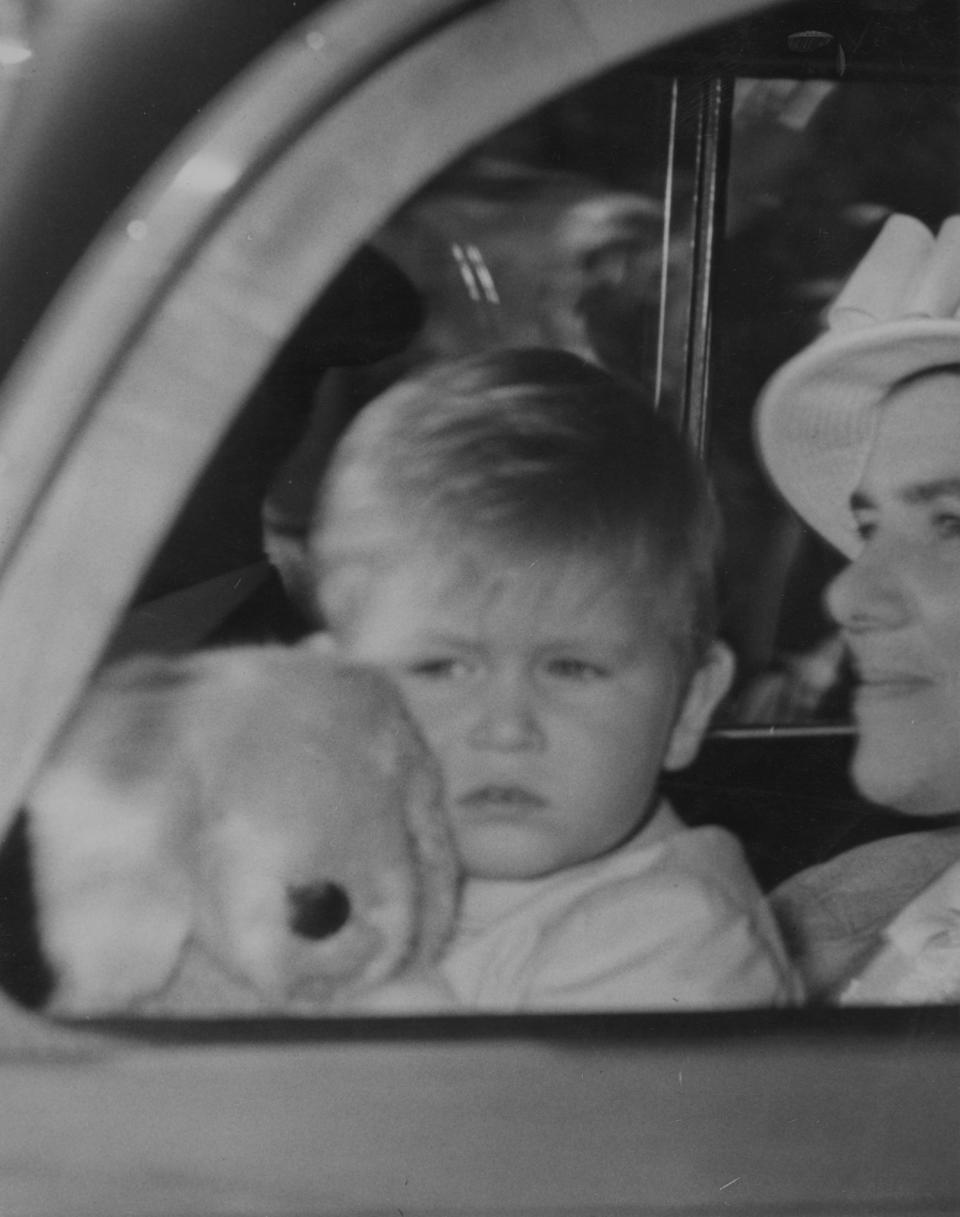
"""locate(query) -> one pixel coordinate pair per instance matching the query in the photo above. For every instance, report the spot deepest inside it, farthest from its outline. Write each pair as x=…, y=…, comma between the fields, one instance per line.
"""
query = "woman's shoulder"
x=831, y=914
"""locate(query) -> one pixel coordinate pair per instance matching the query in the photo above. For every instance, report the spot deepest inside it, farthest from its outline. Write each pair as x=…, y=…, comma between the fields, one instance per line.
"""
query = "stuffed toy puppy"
x=252, y=829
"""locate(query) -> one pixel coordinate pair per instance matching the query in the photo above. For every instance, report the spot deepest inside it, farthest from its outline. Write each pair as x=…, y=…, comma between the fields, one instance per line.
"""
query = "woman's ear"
x=708, y=687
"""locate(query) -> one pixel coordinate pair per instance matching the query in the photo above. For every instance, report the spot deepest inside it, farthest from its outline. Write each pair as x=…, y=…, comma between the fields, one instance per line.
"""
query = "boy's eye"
x=946, y=524
x=865, y=528
x=568, y=668
x=438, y=668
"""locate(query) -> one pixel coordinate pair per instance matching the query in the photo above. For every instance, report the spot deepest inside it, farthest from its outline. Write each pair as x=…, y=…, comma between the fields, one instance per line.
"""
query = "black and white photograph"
x=480, y=608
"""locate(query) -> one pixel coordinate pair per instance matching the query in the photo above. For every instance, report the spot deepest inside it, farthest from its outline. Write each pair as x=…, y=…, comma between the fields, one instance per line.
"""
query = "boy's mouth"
x=501, y=798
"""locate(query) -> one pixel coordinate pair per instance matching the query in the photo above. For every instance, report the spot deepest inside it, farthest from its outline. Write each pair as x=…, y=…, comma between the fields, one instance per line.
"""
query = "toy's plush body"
x=238, y=830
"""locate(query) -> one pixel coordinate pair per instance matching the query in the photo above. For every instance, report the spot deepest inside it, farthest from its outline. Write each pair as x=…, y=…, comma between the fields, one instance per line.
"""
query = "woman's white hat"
x=898, y=314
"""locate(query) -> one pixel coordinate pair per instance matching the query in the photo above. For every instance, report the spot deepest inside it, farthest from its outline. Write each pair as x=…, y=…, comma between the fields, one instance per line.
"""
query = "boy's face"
x=551, y=694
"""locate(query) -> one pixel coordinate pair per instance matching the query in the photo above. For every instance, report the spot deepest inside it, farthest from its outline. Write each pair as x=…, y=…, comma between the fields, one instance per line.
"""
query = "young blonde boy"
x=530, y=551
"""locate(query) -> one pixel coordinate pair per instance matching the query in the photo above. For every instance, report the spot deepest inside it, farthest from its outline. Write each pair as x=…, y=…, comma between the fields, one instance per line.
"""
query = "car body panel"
x=749, y=1113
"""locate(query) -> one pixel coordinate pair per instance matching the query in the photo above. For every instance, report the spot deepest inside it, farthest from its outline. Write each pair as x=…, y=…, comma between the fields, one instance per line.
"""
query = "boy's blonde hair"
x=525, y=452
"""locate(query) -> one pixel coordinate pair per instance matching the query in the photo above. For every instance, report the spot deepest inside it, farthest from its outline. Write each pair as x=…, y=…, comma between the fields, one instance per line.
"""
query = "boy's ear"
x=708, y=687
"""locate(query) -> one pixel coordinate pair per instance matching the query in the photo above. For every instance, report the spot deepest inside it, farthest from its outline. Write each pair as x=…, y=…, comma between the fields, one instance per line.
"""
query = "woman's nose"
x=869, y=593
x=507, y=716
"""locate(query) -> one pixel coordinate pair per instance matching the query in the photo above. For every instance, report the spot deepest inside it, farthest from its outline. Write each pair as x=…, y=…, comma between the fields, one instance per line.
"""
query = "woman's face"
x=898, y=603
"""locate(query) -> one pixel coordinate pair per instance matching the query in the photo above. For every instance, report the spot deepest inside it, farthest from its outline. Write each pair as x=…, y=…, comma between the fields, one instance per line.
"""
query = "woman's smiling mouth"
x=879, y=683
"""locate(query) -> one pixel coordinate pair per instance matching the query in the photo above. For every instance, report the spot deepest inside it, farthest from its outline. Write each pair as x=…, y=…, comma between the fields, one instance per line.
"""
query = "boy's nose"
x=507, y=717
x=868, y=594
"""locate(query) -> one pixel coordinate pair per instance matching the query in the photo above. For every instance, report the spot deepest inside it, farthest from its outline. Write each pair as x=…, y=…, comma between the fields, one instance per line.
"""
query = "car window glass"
x=578, y=227
x=815, y=168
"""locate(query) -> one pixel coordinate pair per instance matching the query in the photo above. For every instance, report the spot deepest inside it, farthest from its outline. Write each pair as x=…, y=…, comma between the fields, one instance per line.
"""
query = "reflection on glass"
x=556, y=232
x=569, y=229
x=15, y=55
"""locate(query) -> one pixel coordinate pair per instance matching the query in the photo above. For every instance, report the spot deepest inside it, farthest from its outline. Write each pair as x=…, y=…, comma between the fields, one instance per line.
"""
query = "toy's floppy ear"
x=114, y=908
x=708, y=686
x=111, y=947
x=435, y=854
x=113, y=916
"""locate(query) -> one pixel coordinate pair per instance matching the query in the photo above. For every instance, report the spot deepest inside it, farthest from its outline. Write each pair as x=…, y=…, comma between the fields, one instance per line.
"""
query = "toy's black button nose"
x=318, y=910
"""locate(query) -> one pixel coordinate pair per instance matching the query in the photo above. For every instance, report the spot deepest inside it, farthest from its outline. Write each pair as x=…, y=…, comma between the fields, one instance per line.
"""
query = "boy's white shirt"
x=919, y=961
x=672, y=920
